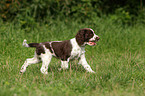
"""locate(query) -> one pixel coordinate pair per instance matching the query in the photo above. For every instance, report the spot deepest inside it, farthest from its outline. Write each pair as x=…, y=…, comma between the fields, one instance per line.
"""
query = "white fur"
x=28, y=62
x=79, y=52
x=92, y=30
x=76, y=49
x=64, y=64
x=85, y=64
x=94, y=37
x=53, y=53
x=46, y=58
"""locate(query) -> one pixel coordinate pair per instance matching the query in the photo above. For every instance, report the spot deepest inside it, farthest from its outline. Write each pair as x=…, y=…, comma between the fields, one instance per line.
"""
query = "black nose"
x=98, y=38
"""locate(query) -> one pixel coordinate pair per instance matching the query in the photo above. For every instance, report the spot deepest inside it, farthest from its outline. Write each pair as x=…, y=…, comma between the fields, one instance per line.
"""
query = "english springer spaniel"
x=64, y=50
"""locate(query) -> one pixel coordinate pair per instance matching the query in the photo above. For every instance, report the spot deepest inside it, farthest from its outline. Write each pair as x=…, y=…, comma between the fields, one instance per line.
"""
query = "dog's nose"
x=98, y=38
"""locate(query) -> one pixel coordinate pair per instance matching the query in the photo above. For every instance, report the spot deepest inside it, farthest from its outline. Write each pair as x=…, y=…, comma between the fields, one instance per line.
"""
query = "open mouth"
x=92, y=43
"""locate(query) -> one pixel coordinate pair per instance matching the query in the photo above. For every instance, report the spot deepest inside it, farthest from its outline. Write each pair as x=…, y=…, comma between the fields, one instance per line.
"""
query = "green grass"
x=118, y=60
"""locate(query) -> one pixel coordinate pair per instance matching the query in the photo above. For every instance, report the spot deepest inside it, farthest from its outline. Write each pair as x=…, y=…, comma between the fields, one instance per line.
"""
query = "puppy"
x=63, y=50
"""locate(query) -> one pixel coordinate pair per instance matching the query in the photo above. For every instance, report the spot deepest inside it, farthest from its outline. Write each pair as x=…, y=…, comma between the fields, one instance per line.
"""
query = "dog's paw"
x=59, y=69
x=23, y=69
x=92, y=71
x=45, y=73
x=20, y=72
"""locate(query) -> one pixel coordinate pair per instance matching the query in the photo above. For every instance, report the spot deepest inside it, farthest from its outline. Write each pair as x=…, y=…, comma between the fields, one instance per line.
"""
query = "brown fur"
x=83, y=36
x=62, y=49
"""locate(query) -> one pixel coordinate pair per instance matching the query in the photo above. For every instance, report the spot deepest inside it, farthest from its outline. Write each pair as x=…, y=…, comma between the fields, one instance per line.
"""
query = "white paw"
x=59, y=69
x=44, y=71
x=23, y=69
x=64, y=66
x=92, y=72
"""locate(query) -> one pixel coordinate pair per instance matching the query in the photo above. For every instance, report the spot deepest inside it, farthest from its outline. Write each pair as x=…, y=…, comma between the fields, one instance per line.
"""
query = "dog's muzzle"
x=93, y=42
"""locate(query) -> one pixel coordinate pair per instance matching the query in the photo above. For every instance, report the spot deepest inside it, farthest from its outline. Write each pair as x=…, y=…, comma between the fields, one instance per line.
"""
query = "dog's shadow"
x=55, y=66
x=72, y=67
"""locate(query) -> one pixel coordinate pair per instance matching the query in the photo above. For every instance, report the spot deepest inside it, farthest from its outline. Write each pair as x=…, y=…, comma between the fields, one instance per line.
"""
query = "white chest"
x=77, y=51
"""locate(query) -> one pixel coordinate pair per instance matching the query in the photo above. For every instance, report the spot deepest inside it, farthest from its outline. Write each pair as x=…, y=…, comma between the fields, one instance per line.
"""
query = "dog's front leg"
x=85, y=64
x=64, y=64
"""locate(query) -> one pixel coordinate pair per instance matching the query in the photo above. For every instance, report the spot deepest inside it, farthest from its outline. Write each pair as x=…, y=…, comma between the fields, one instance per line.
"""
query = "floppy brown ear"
x=80, y=37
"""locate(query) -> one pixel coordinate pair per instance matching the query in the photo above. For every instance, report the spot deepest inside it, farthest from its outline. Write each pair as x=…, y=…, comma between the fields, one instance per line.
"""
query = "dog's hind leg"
x=29, y=61
x=46, y=58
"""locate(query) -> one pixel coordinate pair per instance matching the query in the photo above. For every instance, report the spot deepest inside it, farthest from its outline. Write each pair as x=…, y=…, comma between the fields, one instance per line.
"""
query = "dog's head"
x=86, y=36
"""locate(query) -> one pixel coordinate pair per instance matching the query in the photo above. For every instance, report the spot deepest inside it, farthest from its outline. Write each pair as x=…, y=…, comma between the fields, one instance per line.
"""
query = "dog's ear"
x=80, y=37
x=88, y=34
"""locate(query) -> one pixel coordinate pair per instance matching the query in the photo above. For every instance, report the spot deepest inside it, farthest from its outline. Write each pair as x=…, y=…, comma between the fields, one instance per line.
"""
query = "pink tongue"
x=92, y=43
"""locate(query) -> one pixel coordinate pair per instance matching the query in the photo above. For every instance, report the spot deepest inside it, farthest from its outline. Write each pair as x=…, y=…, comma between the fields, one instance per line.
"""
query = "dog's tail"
x=30, y=44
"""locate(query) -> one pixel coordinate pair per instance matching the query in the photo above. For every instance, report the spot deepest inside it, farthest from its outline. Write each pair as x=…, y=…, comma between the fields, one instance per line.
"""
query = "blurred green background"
x=119, y=11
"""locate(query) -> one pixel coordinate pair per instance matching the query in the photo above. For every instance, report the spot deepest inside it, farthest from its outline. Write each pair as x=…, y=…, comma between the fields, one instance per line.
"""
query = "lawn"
x=118, y=60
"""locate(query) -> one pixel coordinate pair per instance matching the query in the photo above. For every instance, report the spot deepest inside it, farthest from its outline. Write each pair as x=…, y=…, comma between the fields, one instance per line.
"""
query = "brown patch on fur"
x=33, y=44
x=38, y=46
x=47, y=45
x=83, y=36
x=62, y=49
x=40, y=49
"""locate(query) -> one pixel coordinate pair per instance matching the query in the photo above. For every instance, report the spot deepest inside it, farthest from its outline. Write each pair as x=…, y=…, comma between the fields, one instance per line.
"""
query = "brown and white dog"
x=64, y=50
